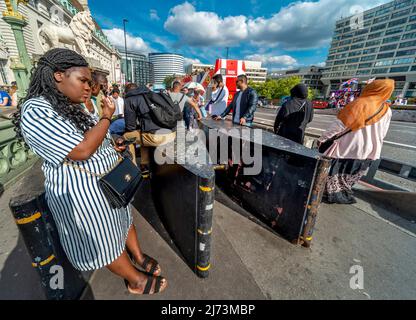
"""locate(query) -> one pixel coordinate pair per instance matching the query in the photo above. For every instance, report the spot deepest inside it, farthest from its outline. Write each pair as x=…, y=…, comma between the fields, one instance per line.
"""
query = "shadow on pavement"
x=18, y=279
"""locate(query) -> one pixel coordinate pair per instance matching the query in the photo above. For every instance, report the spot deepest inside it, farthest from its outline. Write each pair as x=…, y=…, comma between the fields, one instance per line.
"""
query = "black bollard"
x=59, y=280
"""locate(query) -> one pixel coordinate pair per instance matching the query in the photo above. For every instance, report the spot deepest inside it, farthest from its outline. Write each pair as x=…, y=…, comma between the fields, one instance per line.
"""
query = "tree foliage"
x=279, y=88
x=168, y=81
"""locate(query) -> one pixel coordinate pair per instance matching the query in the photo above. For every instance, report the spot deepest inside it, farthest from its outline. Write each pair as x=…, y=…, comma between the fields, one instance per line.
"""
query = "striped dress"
x=92, y=233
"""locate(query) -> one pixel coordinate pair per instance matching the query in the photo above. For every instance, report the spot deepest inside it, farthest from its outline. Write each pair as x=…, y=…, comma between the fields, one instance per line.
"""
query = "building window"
x=380, y=19
x=381, y=70
x=351, y=67
x=412, y=18
x=361, y=72
x=357, y=46
x=385, y=55
x=355, y=53
x=365, y=65
x=391, y=39
x=403, y=61
x=411, y=27
x=382, y=11
x=409, y=36
x=394, y=30
x=397, y=22
x=345, y=42
x=362, y=31
x=406, y=53
x=343, y=49
x=379, y=27
x=359, y=39
x=403, y=4
x=368, y=58
x=407, y=44
x=368, y=51
x=353, y=60
x=346, y=36
x=400, y=13
x=373, y=43
x=389, y=47
x=342, y=55
x=375, y=35
x=399, y=69
x=413, y=68
x=383, y=63
x=339, y=62
x=369, y=15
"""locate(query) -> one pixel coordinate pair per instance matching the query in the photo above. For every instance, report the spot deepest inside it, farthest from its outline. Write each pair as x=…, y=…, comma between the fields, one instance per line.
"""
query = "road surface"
x=400, y=143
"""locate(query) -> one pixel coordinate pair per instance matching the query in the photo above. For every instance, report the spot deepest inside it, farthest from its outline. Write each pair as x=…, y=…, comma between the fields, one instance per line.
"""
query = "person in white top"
x=119, y=103
x=219, y=99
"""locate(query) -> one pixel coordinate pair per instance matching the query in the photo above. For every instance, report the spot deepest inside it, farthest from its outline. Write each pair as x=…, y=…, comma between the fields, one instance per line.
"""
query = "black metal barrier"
x=182, y=192
x=285, y=193
x=59, y=280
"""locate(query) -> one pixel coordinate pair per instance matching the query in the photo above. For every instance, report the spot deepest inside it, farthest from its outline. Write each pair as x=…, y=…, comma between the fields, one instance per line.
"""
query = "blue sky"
x=282, y=34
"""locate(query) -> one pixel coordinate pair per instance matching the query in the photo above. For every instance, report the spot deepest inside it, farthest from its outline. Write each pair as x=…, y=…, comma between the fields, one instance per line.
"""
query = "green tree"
x=168, y=81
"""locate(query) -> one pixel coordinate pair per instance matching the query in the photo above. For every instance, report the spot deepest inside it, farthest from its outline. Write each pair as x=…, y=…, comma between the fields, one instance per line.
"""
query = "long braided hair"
x=42, y=84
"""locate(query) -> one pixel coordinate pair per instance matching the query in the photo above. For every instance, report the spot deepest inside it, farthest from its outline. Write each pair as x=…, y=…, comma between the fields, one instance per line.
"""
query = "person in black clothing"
x=244, y=104
x=141, y=127
x=294, y=115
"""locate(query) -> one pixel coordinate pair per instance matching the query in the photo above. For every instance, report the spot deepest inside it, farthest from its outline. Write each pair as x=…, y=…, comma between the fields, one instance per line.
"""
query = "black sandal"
x=148, y=286
x=146, y=262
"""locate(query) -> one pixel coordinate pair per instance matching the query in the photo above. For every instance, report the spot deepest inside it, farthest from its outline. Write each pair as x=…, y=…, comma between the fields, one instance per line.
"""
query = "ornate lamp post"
x=22, y=64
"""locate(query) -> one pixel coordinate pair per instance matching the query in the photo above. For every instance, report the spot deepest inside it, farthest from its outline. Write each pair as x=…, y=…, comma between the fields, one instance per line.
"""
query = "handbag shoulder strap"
x=340, y=135
x=218, y=97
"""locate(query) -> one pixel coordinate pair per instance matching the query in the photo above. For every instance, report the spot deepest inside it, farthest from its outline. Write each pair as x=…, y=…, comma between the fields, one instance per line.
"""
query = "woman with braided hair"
x=76, y=148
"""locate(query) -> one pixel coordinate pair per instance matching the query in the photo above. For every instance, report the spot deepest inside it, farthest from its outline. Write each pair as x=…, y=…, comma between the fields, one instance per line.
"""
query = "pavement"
x=248, y=260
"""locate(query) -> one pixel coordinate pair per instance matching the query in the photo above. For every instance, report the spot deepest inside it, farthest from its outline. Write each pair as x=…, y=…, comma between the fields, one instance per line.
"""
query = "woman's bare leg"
x=137, y=280
x=133, y=246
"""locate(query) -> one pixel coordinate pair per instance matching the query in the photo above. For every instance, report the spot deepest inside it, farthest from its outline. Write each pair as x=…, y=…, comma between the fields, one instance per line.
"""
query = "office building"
x=383, y=46
x=255, y=72
x=140, y=70
x=166, y=64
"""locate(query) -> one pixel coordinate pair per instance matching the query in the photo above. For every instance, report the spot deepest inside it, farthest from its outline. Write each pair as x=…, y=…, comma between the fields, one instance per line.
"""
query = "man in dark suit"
x=244, y=104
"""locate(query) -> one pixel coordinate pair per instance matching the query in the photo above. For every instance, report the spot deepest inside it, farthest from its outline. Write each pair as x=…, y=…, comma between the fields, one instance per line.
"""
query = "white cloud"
x=304, y=24
x=205, y=28
x=189, y=61
x=154, y=15
x=299, y=25
x=116, y=37
x=269, y=60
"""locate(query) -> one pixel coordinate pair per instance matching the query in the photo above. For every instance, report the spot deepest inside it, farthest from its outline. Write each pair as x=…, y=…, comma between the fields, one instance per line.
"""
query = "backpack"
x=165, y=113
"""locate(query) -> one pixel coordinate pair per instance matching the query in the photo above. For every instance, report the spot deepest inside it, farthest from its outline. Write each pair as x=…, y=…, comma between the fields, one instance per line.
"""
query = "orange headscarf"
x=374, y=95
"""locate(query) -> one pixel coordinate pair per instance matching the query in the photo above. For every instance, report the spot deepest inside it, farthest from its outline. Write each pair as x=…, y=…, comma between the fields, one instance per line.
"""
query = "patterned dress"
x=92, y=233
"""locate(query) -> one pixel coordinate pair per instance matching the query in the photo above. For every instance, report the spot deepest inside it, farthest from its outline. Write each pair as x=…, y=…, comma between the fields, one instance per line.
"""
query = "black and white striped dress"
x=92, y=233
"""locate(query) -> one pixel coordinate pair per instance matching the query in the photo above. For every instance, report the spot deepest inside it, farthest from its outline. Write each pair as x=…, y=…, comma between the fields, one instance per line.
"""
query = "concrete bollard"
x=59, y=280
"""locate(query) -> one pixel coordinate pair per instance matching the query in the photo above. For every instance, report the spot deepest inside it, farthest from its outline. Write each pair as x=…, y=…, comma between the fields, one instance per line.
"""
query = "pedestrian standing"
x=356, y=139
x=294, y=115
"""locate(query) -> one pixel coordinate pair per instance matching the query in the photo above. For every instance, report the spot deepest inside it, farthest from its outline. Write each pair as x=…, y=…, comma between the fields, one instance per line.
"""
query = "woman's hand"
x=108, y=107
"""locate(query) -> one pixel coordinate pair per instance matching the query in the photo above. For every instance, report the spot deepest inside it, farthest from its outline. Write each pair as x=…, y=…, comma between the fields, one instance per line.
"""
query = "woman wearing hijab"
x=294, y=115
x=361, y=127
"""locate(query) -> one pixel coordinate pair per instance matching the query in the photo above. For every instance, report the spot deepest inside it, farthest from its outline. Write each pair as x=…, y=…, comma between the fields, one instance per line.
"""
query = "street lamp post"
x=125, y=48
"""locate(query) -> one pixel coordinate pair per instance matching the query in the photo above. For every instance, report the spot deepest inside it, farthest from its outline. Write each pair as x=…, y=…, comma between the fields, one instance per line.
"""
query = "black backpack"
x=165, y=113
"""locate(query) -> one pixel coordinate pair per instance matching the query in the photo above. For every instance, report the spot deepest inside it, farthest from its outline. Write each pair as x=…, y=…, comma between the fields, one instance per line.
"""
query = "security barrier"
x=183, y=196
x=59, y=280
x=287, y=191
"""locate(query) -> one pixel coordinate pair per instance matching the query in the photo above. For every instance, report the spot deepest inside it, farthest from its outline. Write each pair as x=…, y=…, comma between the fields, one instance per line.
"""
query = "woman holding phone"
x=76, y=148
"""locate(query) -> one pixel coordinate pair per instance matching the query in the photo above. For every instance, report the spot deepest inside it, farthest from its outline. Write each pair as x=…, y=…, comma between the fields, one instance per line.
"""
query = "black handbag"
x=324, y=146
x=120, y=184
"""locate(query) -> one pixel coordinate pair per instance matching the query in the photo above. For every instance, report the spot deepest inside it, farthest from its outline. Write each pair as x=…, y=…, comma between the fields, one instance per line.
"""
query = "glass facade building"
x=140, y=70
x=384, y=46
